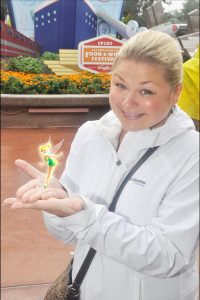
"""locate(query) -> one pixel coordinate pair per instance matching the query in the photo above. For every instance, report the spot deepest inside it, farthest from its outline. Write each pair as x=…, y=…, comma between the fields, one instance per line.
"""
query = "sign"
x=97, y=54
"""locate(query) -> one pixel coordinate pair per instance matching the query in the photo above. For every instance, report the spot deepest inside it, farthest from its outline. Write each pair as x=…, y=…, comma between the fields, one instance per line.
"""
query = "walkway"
x=30, y=257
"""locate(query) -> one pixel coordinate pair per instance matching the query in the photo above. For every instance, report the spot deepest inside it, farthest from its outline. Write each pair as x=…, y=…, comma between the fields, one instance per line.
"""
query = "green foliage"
x=127, y=18
x=28, y=65
x=38, y=85
x=134, y=10
x=4, y=64
x=12, y=86
x=55, y=86
x=4, y=10
x=83, y=83
x=180, y=16
x=95, y=87
x=25, y=64
x=189, y=6
x=72, y=89
x=50, y=56
x=48, y=86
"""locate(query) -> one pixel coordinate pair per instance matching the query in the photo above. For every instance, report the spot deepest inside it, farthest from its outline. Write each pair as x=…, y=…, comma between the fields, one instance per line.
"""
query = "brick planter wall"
x=39, y=111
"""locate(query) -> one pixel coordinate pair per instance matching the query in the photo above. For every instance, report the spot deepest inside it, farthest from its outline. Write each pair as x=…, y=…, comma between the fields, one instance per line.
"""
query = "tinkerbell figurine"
x=50, y=156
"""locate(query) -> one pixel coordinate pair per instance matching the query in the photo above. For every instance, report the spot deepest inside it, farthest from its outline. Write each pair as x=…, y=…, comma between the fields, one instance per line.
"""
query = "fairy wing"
x=49, y=140
x=56, y=148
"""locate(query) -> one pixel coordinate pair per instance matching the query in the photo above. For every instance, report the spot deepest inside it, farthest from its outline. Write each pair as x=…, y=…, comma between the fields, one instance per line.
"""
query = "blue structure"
x=57, y=24
x=63, y=24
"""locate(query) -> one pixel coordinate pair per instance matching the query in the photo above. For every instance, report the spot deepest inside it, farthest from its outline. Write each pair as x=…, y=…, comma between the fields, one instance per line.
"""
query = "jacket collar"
x=178, y=122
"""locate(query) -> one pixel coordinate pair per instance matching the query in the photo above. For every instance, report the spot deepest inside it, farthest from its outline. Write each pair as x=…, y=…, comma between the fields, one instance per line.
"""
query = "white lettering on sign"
x=99, y=54
x=111, y=53
x=100, y=59
x=104, y=68
x=89, y=54
x=101, y=43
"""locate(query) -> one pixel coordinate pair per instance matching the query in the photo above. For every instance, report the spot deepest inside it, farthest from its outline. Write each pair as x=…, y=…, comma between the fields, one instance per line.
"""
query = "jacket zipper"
x=140, y=290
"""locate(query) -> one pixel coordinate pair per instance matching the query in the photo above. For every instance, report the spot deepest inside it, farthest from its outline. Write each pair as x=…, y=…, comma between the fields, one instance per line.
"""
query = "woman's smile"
x=132, y=116
x=140, y=95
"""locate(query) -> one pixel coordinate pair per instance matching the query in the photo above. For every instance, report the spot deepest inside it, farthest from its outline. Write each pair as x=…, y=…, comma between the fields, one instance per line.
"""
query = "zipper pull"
x=118, y=162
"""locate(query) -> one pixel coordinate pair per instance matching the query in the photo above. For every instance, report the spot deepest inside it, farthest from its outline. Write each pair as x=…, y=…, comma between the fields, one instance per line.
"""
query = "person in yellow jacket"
x=189, y=97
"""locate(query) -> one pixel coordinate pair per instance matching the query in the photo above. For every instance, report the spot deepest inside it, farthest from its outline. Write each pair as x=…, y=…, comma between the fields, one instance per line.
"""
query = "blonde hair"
x=156, y=48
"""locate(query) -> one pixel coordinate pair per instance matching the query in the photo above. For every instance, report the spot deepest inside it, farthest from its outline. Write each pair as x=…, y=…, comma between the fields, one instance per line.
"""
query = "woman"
x=147, y=248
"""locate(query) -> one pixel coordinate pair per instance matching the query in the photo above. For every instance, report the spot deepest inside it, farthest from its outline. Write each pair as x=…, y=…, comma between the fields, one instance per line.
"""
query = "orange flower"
x=78, y=80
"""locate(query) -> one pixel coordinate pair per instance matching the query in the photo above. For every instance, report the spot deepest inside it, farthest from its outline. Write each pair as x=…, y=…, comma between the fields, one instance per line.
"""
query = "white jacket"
x=146, y=249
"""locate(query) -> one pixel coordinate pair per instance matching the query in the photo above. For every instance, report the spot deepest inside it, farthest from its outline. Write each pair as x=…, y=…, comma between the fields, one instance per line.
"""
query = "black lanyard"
x=74, y=288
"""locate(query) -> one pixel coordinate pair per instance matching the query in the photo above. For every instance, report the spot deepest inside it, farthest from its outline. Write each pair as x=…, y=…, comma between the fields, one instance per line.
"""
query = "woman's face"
x=140, y=95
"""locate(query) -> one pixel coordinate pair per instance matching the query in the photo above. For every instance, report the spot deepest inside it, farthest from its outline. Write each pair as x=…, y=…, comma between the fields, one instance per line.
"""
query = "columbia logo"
x=138, y=181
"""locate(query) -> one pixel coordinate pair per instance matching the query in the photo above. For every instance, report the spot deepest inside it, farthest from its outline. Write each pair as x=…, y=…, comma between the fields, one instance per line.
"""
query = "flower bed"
x=81, y=83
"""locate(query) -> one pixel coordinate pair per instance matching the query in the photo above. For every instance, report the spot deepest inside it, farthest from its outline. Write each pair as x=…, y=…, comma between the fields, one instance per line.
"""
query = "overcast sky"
x=176, y=5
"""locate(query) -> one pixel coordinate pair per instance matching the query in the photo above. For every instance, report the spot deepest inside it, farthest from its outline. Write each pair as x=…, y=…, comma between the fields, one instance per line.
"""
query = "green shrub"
x=72, y=89
x=25, y=64
x=28, y=65
x=12, y=86
x=4, y=63
x=50, y=56
x=83, y=83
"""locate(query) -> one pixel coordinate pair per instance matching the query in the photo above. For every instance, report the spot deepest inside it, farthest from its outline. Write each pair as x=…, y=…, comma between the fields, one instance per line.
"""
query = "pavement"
x=30, y=257
x=30, y=292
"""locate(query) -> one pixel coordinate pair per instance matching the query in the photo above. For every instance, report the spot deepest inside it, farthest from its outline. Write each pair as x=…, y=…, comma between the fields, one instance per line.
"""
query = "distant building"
x=61, y=24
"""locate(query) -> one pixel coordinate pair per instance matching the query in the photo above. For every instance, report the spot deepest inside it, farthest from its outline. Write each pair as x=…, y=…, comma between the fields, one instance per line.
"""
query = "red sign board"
x=97, y=54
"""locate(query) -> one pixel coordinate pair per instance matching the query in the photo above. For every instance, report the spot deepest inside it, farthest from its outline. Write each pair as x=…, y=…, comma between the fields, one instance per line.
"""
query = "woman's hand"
x=60, y=207
x=38, y=176
x=53, y=199
x=34, y=189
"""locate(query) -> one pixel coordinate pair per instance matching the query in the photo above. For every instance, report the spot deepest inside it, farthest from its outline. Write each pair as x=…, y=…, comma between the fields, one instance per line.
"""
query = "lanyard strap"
x=91, y=253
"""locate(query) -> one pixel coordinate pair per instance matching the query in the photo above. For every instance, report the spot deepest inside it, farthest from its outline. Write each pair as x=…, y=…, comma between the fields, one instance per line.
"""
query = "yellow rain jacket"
x=189, y=97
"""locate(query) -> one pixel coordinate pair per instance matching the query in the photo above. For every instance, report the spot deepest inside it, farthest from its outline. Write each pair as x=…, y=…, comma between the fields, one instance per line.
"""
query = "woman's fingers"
x=34, y=193
x=75, y=203
x=60, y=207
x=13, y=203
x=54, y=206
x=35, y=183
x=53, y=193
x=9, y=201
x=28, y=169
x=17, y=205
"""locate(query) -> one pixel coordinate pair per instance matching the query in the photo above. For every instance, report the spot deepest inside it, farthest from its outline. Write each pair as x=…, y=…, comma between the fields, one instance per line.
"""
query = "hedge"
x=80, y=83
